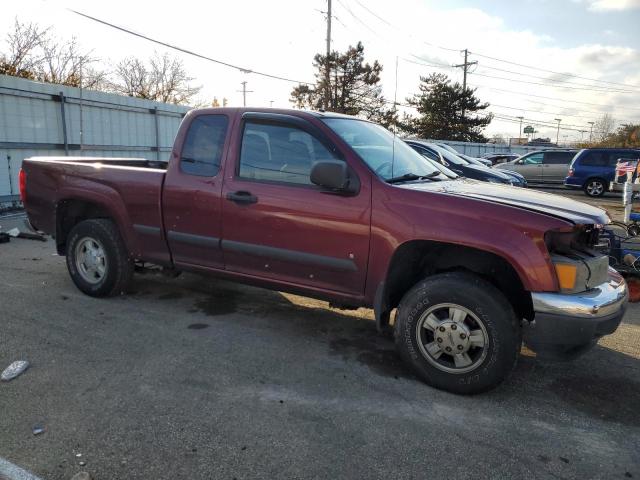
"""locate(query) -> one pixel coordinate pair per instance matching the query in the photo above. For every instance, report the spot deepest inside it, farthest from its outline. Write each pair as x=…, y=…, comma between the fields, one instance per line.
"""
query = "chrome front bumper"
x=565, y=323
x=601, y=301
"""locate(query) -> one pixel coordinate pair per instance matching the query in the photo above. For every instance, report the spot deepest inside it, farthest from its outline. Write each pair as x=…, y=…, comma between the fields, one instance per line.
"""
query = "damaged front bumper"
x=566, y=325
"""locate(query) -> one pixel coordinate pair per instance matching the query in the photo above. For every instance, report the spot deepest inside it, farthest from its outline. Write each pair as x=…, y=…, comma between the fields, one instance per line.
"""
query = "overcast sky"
x=594, y=39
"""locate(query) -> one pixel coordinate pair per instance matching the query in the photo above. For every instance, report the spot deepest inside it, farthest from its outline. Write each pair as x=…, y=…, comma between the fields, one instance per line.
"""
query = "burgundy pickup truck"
x=337, y=208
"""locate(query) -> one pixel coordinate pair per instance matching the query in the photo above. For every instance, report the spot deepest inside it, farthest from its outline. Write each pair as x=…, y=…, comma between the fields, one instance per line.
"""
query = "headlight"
x=577, y=265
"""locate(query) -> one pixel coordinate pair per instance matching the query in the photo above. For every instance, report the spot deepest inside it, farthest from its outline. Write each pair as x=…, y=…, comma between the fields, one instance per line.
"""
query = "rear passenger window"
x=279, y=153
x=558, y=158
x=202, y=149
x=595, y=159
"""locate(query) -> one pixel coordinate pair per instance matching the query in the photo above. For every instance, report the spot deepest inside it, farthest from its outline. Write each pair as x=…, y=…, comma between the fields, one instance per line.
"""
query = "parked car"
x=459, y=165
x=485, y=162
x=592, y=169
x=549, y=166
x=496, y=158
x=338, y=208
x=518, y=179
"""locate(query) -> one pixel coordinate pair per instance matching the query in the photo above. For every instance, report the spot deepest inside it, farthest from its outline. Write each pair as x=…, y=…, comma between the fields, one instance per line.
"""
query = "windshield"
x=448, y=156
x=472, y=160
x=385, y=154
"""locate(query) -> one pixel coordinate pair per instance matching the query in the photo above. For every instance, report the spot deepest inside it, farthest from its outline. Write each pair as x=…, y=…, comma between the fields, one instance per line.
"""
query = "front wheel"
x=97, y=258
x=458, y=333
x=595, y=187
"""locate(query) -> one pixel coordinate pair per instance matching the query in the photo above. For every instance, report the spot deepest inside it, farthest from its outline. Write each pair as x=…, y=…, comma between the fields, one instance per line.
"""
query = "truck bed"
x=127, y=189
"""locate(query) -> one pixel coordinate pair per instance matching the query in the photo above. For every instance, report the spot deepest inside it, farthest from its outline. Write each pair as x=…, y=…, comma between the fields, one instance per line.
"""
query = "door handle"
x=242, y=197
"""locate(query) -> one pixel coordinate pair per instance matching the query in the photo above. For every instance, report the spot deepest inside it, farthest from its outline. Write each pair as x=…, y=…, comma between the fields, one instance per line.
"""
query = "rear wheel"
x=595, y=187
x=97, y=258
x=458, y=332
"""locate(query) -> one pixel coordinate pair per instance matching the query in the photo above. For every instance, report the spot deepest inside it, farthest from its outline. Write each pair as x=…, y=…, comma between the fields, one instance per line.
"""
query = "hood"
x=546, y=203
x=505, y=164
x=511, y=173
x=486, y=171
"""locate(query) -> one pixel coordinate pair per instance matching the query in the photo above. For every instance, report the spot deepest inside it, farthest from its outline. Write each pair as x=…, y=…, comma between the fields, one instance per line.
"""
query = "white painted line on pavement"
x=13, y=472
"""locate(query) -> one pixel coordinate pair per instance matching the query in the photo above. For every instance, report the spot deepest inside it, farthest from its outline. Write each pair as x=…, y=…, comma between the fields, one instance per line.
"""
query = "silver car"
x=550, y=166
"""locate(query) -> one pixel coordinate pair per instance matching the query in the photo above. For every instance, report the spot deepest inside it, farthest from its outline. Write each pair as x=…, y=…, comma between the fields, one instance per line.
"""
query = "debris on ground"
x=16, y=233
x=82, y=463
x=81, y=476
x=38, y=428
x=12, y=371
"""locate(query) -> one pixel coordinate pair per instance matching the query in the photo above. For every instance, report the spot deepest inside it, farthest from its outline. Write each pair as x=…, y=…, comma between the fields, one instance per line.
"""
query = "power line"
x=404, y=30
x=542, y=123
x=184, y=50
x=543, y=112
x=547, y=98
x=600, y=90
x=386, y=22
x=553, y=71
x=546, y=78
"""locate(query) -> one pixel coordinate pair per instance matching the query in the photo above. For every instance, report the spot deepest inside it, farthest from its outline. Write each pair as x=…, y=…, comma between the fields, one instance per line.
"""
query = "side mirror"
x=519, y=162
x=333, y=175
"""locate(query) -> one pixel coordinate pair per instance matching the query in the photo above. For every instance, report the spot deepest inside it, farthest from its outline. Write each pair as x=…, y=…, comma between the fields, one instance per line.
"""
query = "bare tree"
x=63, y=62
x=24, y=42
x=163, y=78
x=35, y=54
x=603, y=128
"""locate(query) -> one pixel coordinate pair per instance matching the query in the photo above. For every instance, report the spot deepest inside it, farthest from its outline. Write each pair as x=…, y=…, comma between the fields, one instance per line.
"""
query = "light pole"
x=591, y=132
x=558, y=133
x=520, y=134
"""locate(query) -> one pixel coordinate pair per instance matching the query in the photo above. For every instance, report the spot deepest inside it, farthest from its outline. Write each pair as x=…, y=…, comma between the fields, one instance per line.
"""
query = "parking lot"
x=200, y=378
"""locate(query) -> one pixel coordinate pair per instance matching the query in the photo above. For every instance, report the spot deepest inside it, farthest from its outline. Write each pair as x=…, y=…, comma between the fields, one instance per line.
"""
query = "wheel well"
x=415, y=260
x=71, y=212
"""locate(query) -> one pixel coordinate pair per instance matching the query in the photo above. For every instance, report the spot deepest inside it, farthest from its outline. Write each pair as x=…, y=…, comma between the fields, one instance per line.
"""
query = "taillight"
x=22, y=182
x=571, y=172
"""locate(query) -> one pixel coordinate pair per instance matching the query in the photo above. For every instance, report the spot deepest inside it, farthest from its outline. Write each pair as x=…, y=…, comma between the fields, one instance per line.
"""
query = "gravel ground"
x=200, y=378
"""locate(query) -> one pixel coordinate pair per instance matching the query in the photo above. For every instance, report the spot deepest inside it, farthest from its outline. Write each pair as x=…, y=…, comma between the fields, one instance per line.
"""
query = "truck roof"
x=282, y=111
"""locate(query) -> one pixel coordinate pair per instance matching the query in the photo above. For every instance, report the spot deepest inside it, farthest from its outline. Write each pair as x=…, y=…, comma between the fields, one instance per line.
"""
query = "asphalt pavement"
x=194, y=378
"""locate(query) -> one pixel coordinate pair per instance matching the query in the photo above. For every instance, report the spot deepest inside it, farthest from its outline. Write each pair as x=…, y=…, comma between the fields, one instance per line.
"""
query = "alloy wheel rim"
x=91, y=260
x=595, y=188
x=452, y=338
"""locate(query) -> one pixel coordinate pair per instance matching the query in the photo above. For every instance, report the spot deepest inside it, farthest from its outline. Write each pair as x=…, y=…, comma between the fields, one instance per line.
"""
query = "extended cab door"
x=191, y=199
x=277, y=224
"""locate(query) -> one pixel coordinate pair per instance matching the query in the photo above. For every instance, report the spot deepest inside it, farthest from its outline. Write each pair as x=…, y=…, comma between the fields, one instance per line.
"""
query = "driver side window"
x=279, y=153
x=535, y=159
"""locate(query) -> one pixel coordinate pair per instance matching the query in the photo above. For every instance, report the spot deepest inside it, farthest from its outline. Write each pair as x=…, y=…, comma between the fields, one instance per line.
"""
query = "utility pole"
x=465, y=68
x=327, y=70
x=558, y=133
x=591, y=132
x=520, y=134
x=244, y=93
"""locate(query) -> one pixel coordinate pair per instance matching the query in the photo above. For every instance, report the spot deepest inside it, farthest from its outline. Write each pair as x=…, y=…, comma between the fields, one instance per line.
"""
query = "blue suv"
x=593, y=169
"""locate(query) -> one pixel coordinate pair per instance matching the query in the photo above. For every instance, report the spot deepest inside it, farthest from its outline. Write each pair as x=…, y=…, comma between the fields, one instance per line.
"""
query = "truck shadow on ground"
x=591, y=384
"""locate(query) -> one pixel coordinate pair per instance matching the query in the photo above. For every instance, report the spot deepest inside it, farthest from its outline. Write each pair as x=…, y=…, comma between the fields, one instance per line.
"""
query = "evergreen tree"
x=447, y=111
x=354, y=87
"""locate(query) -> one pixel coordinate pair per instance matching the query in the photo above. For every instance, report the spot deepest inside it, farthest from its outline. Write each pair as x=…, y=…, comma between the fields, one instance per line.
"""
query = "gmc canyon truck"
x=337, y=208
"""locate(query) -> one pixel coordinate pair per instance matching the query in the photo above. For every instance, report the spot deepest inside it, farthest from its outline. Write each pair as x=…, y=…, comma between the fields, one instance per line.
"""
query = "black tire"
x=117, y=265
x=502, y=335
x=595, y=187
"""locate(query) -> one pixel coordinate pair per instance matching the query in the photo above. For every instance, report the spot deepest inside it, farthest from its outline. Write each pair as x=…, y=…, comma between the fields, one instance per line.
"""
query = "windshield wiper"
x=407, y=177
